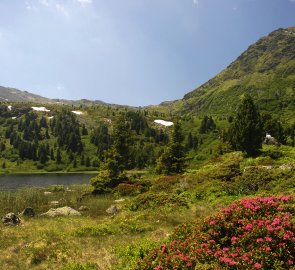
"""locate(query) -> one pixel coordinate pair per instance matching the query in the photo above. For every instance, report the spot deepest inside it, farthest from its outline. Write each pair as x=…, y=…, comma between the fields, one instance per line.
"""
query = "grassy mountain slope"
x=266, y=70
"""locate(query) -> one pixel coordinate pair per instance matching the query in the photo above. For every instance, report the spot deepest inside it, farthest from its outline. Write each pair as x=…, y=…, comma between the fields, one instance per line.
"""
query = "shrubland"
x=168, y=223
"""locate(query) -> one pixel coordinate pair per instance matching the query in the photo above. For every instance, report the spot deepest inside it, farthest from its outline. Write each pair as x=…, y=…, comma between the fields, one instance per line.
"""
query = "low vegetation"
x=145, y=229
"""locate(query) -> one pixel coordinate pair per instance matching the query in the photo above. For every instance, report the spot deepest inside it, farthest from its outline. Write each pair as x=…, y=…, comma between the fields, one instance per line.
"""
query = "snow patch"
x=14, y=117
x=164, y=123
x=77, y=112
x=50, y=117
x=40, y=109
x=9, y=107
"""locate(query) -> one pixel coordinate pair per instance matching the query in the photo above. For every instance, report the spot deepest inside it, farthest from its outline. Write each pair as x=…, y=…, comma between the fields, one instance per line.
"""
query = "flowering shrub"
x=255, y=233
x=125, y=189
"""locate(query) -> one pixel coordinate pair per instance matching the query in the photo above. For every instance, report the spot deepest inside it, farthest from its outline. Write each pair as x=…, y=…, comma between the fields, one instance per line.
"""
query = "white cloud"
x=61, y=9
x=44, y=3
x=30, y=6
x=83, y=2
x=196, y=2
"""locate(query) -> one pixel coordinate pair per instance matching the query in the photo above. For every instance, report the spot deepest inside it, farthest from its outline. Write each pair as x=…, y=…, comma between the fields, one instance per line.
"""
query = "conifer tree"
x=173, y=158
x=246, y=132
x=58, y=156
x=116, y=159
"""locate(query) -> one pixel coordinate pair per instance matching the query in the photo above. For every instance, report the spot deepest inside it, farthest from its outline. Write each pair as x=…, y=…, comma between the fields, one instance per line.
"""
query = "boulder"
x=61, y=211
x=83, y=208
x=112, y=210
x=28, y=212
x=46, y=193
x=11, y=219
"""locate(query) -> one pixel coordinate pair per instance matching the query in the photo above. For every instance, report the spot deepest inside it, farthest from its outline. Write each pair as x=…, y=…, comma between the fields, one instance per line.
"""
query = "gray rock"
x=119, y=200
x=61, y=211
x=288, y=166
x=46, y=193
x=11, y=219
x=28, y=212
x=83, y=208
x=113, y=210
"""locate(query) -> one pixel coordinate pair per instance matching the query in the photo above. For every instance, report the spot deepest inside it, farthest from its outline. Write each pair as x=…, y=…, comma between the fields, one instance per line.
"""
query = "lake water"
x=13, y=182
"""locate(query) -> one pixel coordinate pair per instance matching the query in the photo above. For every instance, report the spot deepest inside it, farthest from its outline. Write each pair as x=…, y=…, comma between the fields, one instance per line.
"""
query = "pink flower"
x=259, y=240
x=189, y=264
x=258, y=265
x=234, y=239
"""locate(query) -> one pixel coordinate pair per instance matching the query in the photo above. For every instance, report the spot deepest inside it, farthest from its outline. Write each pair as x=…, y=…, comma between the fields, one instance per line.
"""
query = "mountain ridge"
x=266, y=70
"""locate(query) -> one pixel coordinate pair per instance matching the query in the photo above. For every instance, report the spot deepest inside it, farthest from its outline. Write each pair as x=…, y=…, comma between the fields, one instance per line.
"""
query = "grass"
x=99, y=241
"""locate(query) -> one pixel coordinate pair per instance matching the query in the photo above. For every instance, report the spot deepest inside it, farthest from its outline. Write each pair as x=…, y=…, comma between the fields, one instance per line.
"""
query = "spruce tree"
x=116, y=159
x=173, y=158
x=246, y=132
x=58, y=156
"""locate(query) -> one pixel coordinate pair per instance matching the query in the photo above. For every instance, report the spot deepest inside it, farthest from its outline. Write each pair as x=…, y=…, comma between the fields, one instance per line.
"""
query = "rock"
x=112, y=210
x=83, y=208
x=11, y=219
x=28, y=212
x=269, y=140
x=288, y=166
x=61, y=211
x=119, y=200
x=46, y=193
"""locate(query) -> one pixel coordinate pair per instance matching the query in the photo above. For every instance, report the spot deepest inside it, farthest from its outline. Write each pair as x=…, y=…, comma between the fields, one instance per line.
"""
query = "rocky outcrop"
x=61, y=211
x=83, y=208
x=28, y=212
x=11, y=219
x=113, y=210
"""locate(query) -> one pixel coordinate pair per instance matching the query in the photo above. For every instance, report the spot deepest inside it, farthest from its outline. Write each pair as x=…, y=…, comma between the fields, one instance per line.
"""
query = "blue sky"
x=135, y=52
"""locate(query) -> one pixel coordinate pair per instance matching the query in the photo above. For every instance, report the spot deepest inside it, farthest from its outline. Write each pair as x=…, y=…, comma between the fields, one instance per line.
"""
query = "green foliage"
x=265, y=70
x=173, y=158
x=155, y=200
x=129, y=255
x=254, y=233
x=246, y=131
x=207, y=124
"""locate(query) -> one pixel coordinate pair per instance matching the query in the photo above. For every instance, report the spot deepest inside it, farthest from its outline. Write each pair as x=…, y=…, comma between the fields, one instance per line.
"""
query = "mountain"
x=15, y=95
x=266, y=70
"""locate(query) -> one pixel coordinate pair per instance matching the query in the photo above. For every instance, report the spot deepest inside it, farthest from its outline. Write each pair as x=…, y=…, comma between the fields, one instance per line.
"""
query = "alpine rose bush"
x=255, y=233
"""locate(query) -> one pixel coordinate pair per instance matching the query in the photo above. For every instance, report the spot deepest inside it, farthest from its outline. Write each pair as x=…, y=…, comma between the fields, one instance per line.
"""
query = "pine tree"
x=173, y=158
x=246, y=132
x=58, y=156
x=116, y=159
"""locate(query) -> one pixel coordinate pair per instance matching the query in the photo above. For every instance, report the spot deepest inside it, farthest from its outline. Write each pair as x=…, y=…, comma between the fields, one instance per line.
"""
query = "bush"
x=155, y=200
x=125, y=189
x=255, y=233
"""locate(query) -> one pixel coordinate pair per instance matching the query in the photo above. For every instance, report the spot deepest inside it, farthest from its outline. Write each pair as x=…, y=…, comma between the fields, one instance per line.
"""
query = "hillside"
x=15, y=95
x=266, y=70
x=8, y=94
